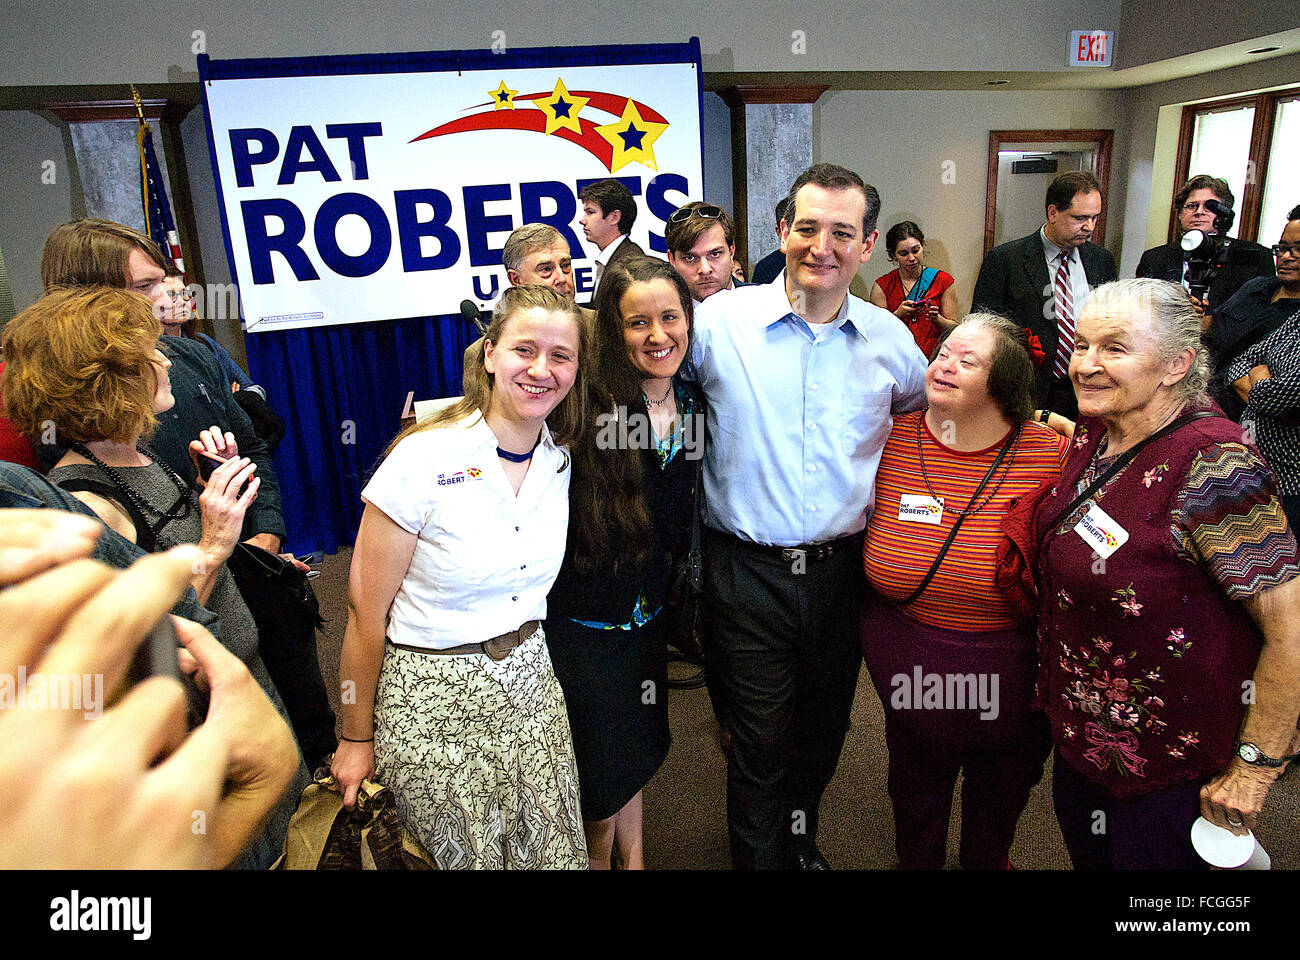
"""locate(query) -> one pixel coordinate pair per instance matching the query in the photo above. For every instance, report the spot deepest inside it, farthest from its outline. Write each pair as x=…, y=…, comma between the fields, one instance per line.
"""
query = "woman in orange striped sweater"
x=952, y=661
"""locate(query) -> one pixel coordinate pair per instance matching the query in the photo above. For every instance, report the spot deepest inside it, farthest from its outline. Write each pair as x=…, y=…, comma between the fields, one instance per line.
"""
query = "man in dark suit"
x=608, y=212
x=1042, y=281
x=1245, y=260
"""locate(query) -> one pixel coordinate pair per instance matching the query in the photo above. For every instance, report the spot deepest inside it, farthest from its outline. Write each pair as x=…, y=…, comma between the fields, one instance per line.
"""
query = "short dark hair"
x=780, y=211
x=1294, y=213
x=610, y=195
x=1011, y=372
x=900, y=232
x=1062, y=191
x=1217, y=185
x=832, y=177
x=681, y=235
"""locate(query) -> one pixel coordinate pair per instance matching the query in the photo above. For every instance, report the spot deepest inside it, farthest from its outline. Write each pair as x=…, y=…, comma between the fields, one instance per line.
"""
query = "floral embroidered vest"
x=1143, y=659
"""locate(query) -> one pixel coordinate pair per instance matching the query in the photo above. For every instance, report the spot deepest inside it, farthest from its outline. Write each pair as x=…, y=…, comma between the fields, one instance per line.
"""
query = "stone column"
x=771, y=144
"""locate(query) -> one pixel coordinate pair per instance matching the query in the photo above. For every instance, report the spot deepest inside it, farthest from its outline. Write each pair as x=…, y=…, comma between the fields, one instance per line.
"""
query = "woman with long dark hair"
x=631, y=500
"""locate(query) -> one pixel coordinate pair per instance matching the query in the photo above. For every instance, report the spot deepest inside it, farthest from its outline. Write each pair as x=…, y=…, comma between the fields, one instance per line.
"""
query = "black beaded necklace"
x=971, y=508
x=181, y=508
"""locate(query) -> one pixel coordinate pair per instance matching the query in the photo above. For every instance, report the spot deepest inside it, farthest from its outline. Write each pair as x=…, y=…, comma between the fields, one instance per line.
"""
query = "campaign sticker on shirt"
x=1100, y=532
x=918, y=509
x=460, y=476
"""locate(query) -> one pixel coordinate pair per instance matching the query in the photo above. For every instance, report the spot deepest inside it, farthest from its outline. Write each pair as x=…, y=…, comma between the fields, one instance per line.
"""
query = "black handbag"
x=287, y=614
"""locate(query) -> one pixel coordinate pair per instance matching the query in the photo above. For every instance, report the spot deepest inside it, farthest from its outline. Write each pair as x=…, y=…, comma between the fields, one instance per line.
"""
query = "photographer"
x=1244, y=260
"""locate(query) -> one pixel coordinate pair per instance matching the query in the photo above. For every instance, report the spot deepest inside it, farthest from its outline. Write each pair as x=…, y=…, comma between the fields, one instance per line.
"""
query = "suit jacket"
x=627, y=247
x=1245, y=261
x=1014, y=282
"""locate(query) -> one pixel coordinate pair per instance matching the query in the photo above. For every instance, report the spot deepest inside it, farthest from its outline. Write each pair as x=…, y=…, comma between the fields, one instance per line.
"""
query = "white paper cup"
x=1224, y=849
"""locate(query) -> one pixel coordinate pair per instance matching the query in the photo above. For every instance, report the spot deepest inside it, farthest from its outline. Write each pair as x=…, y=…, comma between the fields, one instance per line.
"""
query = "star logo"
x=632, y=138
x=502, y=96
x=562, y=109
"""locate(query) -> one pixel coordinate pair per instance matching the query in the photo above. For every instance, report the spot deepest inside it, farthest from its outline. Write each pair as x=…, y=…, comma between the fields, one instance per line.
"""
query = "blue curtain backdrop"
x=347, y=383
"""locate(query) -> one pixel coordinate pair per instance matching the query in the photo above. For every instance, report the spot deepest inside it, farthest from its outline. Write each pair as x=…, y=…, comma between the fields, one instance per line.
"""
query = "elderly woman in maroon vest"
x=1169, y=639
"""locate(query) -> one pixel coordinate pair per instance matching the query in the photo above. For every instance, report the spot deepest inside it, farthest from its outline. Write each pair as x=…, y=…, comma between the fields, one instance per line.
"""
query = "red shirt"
x=898, y=552
x=925, y=332
x=14, y=447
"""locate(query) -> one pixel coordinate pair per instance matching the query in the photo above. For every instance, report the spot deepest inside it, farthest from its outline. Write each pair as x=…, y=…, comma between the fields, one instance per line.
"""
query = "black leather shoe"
x=810, y=858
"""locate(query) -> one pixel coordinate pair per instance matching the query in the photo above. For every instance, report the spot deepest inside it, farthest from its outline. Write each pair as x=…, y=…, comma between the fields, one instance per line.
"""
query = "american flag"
x=153, y=193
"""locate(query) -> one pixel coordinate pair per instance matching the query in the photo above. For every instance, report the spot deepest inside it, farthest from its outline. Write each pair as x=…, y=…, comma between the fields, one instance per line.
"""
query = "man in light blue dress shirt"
x=802, y=382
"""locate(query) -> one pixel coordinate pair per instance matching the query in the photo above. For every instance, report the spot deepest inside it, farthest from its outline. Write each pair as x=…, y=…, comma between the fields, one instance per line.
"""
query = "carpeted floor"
x=685, y=804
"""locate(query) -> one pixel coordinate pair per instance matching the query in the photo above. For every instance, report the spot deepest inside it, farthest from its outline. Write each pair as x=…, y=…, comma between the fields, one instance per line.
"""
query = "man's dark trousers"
x=784, y=639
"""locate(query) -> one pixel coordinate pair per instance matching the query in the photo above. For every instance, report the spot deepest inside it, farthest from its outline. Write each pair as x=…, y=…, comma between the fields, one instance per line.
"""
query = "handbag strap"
x=1125, y=459
x=694, y=559
x=146, y=537
x=952, y=534
x=923, y=284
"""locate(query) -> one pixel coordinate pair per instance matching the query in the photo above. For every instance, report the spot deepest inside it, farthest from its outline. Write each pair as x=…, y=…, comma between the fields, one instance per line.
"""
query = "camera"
x=1205, y=253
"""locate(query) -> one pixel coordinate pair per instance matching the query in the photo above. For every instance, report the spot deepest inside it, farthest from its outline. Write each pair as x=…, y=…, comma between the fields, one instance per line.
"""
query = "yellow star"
x=502, y=96
x=562, y=109
x=632, y=138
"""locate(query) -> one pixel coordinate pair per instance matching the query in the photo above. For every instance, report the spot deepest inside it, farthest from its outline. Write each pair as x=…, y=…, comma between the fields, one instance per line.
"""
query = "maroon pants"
x=955, y=703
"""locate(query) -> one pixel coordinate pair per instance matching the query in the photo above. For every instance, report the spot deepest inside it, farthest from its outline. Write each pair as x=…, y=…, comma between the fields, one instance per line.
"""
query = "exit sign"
x=1091, y=48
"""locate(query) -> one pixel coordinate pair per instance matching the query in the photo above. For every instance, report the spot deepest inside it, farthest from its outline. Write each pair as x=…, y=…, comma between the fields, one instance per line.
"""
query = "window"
x=1244, y=140
x=1281, y=193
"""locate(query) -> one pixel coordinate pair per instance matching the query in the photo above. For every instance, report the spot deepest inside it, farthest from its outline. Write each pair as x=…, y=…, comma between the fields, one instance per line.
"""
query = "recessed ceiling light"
x=1261, y=50
x=998, y=83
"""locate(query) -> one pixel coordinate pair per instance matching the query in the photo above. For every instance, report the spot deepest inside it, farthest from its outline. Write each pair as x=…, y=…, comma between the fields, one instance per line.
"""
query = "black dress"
x=615, y=677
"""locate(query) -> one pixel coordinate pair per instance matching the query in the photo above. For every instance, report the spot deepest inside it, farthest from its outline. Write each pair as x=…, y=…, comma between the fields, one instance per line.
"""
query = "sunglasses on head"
x=705, y=211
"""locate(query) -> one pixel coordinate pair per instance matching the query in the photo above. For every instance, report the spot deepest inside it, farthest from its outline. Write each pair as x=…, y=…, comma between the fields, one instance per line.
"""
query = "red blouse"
x=925, y=332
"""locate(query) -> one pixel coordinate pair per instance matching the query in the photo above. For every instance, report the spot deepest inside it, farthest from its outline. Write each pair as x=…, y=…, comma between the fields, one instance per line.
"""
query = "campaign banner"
x=383, y=187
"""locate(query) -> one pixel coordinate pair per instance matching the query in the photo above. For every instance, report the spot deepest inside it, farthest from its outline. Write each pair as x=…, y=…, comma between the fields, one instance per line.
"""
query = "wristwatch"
x=1253, y=755
x=1044, y=416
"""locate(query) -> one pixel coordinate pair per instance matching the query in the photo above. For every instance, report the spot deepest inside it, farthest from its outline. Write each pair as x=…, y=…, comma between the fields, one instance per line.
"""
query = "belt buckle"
x=793, y=555
x=498, y=648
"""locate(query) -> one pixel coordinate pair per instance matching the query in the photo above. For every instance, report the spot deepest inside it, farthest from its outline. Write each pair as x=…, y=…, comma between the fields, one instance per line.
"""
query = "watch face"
x=1248, y=752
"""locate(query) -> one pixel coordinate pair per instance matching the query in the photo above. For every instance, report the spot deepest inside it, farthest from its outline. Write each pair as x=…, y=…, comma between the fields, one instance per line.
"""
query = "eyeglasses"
x=705, y=211
x=1193, y=206
x=1279, y=249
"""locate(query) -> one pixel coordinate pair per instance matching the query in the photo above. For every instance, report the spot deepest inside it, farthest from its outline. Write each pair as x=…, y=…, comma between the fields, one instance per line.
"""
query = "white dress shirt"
x=1079, y=289
x=602, y=259
x=485, y=558
x=797, y=421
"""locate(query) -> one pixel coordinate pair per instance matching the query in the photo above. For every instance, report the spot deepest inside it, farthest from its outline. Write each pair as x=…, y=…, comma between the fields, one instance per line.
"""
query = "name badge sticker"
x=1100, y=532
x=918, y=509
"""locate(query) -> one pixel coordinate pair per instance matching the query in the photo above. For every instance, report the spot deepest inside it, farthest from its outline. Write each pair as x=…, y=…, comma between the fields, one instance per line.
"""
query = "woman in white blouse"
x=448, y=690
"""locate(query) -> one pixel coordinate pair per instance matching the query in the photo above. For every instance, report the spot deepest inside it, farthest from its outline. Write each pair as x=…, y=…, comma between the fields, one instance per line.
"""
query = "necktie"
x=1064, y=315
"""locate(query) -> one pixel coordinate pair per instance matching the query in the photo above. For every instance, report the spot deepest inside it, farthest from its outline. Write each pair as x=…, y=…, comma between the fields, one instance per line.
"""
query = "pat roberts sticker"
x=917, y=509
x=1100, y=532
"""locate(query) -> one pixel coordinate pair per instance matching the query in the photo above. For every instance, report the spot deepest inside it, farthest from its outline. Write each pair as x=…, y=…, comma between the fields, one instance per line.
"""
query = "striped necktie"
x=1064, y=297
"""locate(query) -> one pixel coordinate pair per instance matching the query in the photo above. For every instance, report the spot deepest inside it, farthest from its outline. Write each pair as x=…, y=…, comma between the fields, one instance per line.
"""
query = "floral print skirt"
x=479, y=756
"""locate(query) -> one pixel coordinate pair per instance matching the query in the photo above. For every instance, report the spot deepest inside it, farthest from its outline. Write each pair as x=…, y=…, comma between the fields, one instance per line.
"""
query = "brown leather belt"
x=498, y=648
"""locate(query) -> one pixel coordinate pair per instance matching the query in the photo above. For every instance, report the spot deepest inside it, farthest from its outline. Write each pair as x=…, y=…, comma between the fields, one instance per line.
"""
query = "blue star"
x=562, y=108
x=503, y=96
x=631, y=137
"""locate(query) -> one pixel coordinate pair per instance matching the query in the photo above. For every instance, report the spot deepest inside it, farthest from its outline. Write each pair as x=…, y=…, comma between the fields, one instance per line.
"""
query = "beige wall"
x=72, y=41
x=903, y=142
x=30, y=206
